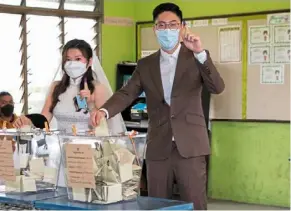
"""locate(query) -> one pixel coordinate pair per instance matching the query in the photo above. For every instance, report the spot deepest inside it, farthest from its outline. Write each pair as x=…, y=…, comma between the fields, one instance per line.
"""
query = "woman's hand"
x=86, y=94
x=21, y=121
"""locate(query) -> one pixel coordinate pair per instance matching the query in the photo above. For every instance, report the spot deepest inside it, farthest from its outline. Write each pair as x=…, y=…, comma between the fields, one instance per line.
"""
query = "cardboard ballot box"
x=29, y=161
x=104, y=169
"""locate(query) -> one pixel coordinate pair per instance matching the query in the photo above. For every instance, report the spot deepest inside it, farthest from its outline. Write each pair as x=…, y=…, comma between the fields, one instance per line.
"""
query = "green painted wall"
x=250, y=164
x=118, y=42
x=198, y=8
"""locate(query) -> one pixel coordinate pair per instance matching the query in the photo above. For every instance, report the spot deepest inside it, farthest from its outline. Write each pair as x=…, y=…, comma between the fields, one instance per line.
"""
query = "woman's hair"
x=62, y=86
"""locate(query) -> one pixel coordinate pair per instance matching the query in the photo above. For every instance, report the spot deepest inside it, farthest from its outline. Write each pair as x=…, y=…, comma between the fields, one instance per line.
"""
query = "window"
x=79, y=28
x=10, y=2
x=53, y=4
x=10, y=58
x=83, y=5
x=44, y=58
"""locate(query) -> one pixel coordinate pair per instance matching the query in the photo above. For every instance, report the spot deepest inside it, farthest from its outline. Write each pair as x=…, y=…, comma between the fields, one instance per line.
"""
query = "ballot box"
x=102, y=169
x=30, y=160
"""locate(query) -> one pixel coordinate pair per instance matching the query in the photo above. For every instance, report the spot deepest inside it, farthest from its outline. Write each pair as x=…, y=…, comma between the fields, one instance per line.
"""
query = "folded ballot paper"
x=102, y=128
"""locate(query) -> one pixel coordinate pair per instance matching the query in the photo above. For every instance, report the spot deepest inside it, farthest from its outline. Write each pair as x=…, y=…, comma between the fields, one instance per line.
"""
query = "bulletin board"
x=227, y=39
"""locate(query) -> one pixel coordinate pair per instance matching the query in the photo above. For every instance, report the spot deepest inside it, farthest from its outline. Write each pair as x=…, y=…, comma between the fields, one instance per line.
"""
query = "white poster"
x=219, y=21
x=198, y=23
x=282, y=54
x=147, y=53
x=282, y=34
x=230, y=44
x=272, y=74
x=280, y=18
x=259, y=54
x=259, y=35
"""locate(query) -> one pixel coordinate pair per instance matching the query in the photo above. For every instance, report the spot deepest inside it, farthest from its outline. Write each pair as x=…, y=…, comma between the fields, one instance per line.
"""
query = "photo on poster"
x=272, y=74
x=282, y=34
x=259, y=35
x=281, y=54
x=259, y=54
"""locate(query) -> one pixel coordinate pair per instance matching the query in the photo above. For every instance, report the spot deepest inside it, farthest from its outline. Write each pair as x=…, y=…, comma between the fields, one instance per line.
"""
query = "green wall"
x=198, y=8
x=118, y=42
x=249, y=163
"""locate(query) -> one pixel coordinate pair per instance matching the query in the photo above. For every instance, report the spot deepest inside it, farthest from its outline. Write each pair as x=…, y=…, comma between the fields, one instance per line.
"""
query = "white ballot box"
x=104, y=169
x=30, y=160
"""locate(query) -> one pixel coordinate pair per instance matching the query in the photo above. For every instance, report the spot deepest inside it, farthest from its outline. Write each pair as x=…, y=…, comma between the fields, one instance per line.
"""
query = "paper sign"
x=7, y=172
x=80, y=166
x=259, y=35
x=282, y=34
x=281, y=18
x=272, y=74
x=219, y=21
x=197, y=23
x=282, y=54
x=118, y=21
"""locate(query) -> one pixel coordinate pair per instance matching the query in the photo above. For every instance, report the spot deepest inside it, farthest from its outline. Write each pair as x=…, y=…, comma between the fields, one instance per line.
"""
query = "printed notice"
x=230, y=44
x=79, y=163
x=282, y=34
x=282, y=54
x=259, y=55
x=7, y=172
x=281, y=18
x=259, y=35
x=272, y=74
x=198, y=23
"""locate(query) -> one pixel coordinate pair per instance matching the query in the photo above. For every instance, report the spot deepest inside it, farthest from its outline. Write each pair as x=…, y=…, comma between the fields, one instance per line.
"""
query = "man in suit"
x=172, y=79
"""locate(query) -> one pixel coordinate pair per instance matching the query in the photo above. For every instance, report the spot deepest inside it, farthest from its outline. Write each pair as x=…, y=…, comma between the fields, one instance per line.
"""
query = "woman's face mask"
x=7, y=110
x=75, y=69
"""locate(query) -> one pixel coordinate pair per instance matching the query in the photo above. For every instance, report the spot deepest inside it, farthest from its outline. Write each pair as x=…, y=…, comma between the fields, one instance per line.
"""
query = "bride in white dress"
x=80, y=66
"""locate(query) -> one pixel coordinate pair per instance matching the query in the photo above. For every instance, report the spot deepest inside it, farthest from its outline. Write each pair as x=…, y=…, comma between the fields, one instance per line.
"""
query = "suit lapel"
x=156, y=73
x=183, y=57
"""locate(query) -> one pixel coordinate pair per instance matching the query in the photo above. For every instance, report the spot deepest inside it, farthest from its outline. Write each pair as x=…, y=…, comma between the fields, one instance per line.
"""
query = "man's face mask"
x=7, y=110
x=167, y=38
x=75, y=69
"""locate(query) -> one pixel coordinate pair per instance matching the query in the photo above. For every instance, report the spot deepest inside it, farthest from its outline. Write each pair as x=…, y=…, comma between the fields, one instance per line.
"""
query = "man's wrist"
x=105, y=112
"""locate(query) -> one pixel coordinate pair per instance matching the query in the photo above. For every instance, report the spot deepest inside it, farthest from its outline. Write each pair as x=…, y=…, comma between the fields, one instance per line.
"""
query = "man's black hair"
x=2, y=94
x=167, y=7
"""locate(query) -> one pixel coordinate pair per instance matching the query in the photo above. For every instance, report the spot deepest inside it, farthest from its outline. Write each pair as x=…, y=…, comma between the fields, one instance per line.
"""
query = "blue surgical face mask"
x=167, y=38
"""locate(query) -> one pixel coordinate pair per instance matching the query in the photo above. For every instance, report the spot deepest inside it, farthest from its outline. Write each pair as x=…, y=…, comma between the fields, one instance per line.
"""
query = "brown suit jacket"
x=184, y=118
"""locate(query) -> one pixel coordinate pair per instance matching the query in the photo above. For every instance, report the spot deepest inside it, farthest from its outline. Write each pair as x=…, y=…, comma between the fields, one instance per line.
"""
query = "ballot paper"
x=28, y=184
x=50, y=175
x=79, y=194
x=37, y=166
x=102, y=128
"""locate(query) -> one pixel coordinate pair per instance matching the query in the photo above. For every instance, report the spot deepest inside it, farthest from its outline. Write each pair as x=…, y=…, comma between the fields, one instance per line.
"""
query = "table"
x=26, y=200
x=141, y=203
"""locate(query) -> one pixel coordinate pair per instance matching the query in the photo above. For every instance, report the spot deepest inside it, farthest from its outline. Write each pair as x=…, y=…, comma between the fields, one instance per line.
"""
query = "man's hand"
x=21, y=121
x=96, y=116
x=192, y=41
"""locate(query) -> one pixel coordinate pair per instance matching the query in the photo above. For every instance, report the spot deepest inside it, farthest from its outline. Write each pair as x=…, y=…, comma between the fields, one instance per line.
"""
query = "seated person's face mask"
x=7, y=110
x=75, y=69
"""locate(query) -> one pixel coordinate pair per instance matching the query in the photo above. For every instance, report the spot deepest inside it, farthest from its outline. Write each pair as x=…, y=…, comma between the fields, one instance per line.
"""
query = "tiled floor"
x=229, y=205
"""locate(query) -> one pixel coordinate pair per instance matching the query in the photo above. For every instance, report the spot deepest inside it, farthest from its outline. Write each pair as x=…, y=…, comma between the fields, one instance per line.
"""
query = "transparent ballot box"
x=29, y=160
x=103, y=170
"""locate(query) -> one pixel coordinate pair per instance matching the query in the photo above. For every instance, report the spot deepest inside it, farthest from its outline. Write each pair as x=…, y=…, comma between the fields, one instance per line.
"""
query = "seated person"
x=7, y=110
x=7, y=113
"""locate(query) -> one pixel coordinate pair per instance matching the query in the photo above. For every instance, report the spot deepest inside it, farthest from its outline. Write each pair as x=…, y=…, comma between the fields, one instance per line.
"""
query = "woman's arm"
x=100, y=95
x=46, y=108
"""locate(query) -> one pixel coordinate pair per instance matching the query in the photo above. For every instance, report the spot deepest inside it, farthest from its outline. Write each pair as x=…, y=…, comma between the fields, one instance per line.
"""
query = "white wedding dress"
x=65, y=110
